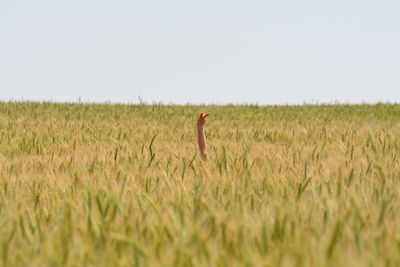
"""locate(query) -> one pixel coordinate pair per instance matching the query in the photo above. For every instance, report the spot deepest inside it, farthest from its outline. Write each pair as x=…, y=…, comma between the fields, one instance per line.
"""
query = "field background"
x=123, y=185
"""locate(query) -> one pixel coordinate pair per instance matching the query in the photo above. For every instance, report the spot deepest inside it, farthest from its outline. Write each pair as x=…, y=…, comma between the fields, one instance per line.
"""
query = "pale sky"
x=265, y=52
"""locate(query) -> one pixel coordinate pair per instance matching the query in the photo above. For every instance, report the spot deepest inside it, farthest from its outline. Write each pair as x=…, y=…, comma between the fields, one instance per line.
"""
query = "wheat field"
x=123, y=185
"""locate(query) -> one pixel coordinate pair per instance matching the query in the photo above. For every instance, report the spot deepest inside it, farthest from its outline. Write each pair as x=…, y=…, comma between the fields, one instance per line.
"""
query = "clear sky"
x=265, y=52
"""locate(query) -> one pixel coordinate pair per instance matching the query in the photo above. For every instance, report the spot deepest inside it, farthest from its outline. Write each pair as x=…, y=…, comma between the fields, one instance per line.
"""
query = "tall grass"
x=123, y=185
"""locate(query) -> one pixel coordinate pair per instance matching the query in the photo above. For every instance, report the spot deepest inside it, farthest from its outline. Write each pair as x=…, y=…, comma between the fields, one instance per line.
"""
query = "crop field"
x=123, y=185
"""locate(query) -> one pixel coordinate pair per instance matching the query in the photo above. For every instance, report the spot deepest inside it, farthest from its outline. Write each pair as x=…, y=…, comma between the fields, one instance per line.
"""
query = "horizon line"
x=171, y=103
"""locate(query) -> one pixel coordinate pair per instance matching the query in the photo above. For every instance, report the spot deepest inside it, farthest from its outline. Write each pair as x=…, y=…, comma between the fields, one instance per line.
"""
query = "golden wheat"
x=123, y=185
